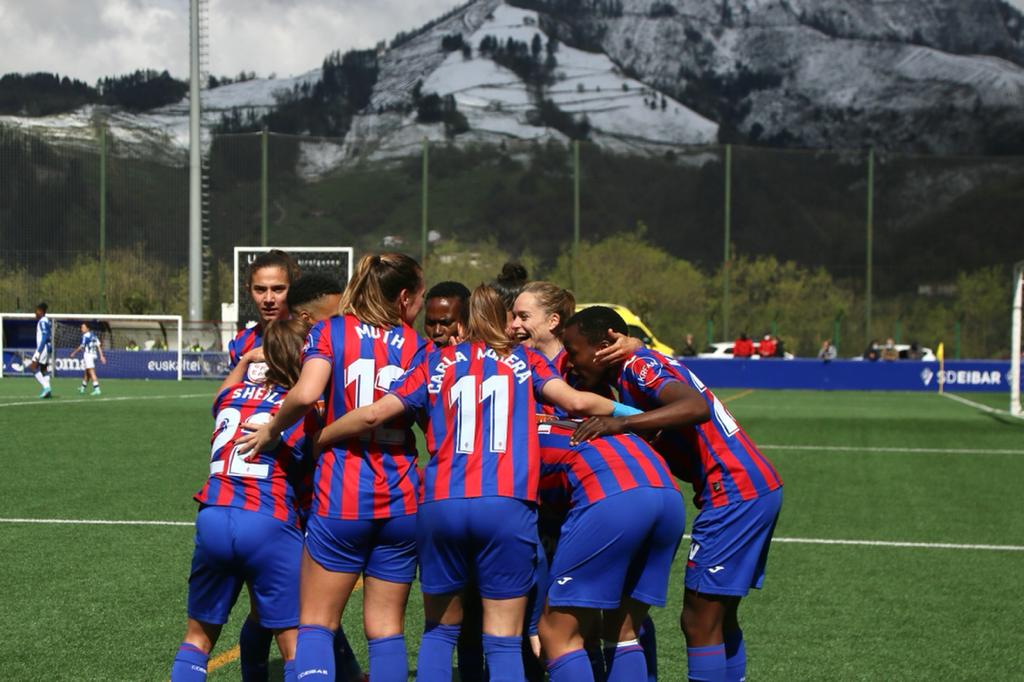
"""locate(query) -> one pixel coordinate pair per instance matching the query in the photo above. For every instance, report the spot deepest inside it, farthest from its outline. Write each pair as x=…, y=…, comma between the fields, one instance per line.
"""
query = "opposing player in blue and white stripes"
x=91, y=348
x=43, y=354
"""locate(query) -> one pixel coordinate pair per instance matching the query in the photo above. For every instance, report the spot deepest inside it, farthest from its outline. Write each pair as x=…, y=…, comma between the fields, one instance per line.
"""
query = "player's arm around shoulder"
x=681, y=406
x=359, y=421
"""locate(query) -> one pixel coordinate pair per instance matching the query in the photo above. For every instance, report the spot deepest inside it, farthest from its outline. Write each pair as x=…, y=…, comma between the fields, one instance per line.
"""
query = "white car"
x=723, y=350
x=925, y=354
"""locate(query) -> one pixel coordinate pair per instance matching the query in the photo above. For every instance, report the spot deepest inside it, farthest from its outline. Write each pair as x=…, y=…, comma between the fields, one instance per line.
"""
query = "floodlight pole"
x=195, y=221
x=870, y=245
x=1015, y=339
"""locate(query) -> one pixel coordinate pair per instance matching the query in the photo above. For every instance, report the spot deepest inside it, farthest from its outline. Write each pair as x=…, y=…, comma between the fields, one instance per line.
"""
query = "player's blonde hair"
x=283, y=341
x=554, y=300
x=487, y=320
x=372, y=295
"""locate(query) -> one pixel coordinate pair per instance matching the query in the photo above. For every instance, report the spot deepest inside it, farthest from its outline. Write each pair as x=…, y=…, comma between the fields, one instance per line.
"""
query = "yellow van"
x=636, y=327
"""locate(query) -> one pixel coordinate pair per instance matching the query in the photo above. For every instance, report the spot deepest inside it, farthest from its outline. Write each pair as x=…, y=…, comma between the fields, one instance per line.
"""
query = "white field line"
x=979, y=406
x=90, y=401
x=801, y=541
x=858, y=448
x=98, y=522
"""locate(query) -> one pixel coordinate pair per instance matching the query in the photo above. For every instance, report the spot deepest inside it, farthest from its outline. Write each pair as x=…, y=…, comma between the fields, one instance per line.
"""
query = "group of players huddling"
x=536, y=535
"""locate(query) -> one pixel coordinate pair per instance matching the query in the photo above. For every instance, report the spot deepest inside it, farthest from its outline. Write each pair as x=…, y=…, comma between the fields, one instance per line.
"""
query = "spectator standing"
x=743, y=347
x=688, y=348
x=828, y=351
x=889, y=352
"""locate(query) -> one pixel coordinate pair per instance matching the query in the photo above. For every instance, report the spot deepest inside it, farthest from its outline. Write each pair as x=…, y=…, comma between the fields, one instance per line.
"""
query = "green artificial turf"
x=105, y=602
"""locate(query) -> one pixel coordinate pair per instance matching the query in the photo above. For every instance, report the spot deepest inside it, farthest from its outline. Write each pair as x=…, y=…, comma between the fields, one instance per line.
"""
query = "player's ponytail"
x=553, y=300
x=372, y=294
x=488, y=318
x=283, y=341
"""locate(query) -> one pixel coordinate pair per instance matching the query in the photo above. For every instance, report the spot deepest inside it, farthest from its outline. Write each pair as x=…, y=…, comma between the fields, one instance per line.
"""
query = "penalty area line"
x=802, y=541
x=859, y=448
x=91, y=401
x=981, y=407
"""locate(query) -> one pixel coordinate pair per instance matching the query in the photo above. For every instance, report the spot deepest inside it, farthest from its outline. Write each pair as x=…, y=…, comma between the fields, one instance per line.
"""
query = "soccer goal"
x=134, y=346
x=1015, y=339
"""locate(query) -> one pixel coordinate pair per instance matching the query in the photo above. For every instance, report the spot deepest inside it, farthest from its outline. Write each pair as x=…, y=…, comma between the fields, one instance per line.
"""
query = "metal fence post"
x=425, y=205
x=870, y=246
x=264, y=186
x=575, y=211
x=728, y=230
x=103, y=219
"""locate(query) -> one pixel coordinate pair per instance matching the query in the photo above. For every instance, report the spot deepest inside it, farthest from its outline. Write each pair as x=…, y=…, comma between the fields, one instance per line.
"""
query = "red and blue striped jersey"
x=372, y=476
x=274, y=483
x=591, y=471
x=717, y=457
x=560, y=363
x=244, y=341
x=481, y=431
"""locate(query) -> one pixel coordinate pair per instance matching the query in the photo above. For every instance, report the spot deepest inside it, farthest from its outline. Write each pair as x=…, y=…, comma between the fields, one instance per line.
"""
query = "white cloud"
x=89, y=39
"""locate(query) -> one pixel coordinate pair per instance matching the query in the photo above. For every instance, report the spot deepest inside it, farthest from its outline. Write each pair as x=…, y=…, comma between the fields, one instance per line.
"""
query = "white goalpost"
x=1015, y=339
x=135, y=346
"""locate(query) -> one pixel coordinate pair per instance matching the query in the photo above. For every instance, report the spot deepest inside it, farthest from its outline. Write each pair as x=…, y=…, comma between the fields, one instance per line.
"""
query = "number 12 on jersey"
x=465, y=395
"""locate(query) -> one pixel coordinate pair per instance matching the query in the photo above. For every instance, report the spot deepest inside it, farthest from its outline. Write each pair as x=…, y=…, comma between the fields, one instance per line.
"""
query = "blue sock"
x=627, y=662
x=189, y=664
x=345, y=661
x=706, y=663
x=735, y=657
x=649, y=642
x=289, y=671
x=434, y=663
x=314, y=654
x=471, y=660
x=571, y=667
x=387, y=659
x=254, y=651
x=505, y=658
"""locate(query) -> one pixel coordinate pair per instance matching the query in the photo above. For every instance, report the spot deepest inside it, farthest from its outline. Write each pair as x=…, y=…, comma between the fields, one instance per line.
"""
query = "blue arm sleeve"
x=621, y=410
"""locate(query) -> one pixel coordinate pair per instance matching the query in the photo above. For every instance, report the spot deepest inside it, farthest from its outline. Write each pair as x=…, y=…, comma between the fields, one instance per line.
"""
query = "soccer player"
x=736, y=488
x=311, y=298
x=477, y=518
x=615, y=549
x=267, y=281
x=248, y=525
x=446, y=313
x=363, y=520
x=40, y=363
x=314, y=297
x=91, y=348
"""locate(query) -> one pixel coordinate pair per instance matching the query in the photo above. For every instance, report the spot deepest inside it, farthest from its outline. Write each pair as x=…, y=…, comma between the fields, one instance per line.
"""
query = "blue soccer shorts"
x=623, y=544
x=235, y=546
x=488, y=541
x=539, y=592
x=381, y=548
x=730, y=544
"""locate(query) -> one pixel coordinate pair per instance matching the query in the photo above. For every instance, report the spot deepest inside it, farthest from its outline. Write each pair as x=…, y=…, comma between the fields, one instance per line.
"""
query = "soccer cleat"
x=46, y=393
x=95, y=391
x=81, y=389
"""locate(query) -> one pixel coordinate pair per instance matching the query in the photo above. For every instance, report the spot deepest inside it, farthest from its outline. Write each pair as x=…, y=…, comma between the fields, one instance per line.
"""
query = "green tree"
x=802, y=302
x=668, y=293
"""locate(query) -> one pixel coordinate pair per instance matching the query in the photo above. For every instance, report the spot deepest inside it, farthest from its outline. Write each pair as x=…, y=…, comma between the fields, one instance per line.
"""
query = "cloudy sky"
x=88, y=39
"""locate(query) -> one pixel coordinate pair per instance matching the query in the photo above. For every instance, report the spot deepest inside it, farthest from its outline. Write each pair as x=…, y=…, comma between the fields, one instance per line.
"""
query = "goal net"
x=134, y=346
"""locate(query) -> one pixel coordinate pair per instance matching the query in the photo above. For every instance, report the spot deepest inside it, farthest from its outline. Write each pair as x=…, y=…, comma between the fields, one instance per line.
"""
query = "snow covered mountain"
x=941, y=76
